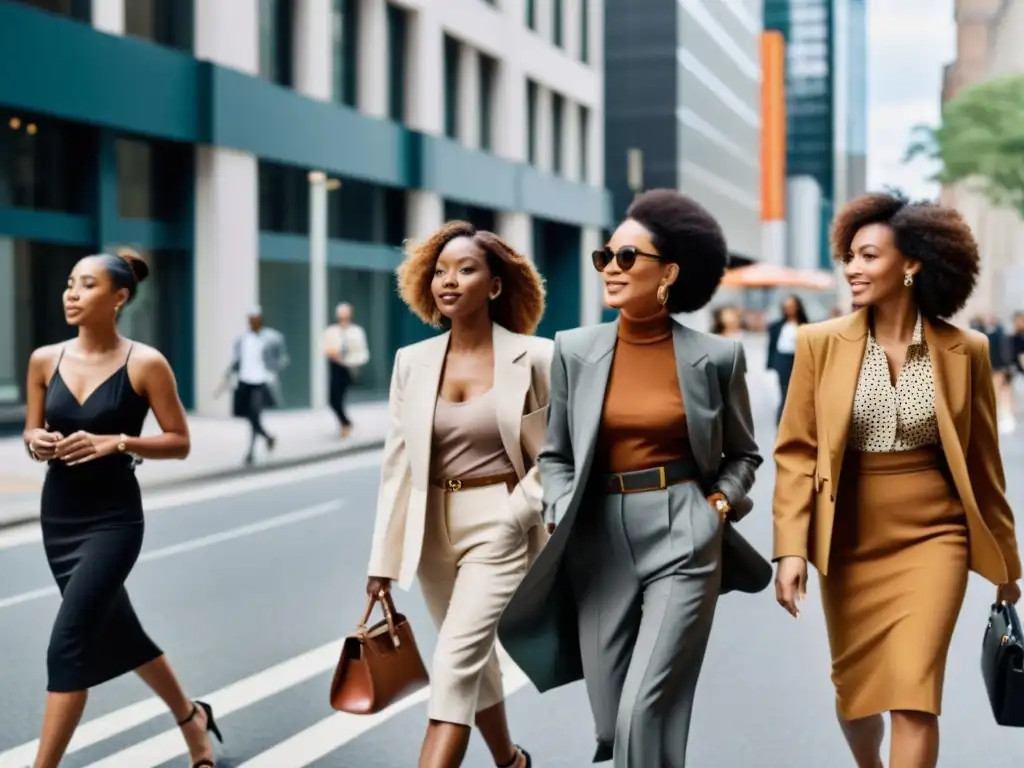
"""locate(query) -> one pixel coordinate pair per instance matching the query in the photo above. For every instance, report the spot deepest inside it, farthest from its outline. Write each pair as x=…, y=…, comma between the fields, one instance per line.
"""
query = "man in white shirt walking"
x=347, y=351
x=258, y=357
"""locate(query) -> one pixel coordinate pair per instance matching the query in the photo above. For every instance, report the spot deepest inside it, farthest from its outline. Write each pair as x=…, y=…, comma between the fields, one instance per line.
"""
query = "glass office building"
x=826, y=96
x=189, y=132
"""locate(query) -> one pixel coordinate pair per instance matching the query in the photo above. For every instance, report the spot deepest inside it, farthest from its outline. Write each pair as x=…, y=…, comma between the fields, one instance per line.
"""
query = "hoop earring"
x=663, y=294
x=908, y=279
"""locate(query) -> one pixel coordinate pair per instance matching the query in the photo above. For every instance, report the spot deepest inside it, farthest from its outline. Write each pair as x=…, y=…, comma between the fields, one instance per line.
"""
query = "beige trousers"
x=474, y=556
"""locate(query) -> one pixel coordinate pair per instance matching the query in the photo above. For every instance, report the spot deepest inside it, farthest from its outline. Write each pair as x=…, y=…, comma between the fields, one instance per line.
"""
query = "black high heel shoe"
x=211, y=727
x=519, y=751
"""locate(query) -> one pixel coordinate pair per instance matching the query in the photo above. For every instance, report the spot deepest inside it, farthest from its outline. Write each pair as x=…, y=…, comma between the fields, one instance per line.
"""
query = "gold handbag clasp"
x=453, y=485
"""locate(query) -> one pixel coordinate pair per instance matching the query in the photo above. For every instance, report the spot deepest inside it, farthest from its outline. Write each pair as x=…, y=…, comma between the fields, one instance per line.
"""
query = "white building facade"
x=306, y=140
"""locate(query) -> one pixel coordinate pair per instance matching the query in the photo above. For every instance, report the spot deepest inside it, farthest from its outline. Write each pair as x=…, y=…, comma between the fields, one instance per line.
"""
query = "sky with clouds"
x=909, y=41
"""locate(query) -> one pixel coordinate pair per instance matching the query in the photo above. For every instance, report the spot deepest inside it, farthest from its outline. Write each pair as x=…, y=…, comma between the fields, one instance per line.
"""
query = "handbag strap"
x=388, y=607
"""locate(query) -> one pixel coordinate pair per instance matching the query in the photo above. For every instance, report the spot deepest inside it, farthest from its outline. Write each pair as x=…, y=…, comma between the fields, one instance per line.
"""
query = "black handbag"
x=1002, y=665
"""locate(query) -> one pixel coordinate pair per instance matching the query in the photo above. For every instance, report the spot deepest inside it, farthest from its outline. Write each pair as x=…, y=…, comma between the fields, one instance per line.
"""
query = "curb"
x=206, y=478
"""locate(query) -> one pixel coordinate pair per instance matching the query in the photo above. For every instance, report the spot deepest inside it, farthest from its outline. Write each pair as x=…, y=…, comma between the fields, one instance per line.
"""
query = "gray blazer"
x=539, y=626
x=275, y=358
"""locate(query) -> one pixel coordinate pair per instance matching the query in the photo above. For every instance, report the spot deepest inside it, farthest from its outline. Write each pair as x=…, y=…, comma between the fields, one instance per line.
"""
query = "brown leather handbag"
x=379, y=665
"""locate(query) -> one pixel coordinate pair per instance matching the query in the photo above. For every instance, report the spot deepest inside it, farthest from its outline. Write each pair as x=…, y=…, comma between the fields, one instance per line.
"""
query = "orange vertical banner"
x=773, y=126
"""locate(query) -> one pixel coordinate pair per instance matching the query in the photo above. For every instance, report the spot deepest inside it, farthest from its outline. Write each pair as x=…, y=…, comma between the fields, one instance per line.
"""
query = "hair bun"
x=137, y=264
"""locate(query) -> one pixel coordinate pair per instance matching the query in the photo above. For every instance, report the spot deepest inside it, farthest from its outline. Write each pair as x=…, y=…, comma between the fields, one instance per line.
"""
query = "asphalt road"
x=249, y=586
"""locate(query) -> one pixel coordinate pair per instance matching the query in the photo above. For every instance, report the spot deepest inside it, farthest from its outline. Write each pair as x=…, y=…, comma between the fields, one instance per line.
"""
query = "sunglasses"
x=626, y=257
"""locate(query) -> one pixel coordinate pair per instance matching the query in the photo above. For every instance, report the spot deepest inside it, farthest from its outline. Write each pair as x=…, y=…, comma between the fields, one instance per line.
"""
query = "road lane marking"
x=250, y=690
x=337, y=730
x=191, y=545
x=169, y=744
x=160, y=500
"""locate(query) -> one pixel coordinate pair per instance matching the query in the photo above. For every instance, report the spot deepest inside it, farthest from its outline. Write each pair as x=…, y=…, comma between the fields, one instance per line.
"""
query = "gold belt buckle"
x=662, y=483
x=453, y=485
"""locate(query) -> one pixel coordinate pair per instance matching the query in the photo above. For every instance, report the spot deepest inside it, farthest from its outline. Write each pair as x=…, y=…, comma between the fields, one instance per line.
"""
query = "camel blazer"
x=816, y=422
x=521, y=370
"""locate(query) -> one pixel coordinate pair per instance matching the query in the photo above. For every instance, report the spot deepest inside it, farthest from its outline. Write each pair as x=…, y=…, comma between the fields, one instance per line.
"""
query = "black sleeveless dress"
x=92, y=526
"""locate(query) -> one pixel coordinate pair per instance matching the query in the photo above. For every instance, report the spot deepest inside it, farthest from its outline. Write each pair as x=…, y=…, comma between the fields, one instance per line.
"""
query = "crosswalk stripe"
x=267, y=524
x=331, y=733
x=261, y=685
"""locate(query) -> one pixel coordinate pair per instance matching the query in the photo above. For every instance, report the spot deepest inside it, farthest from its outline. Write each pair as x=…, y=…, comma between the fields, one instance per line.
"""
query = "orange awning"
x=762, y=275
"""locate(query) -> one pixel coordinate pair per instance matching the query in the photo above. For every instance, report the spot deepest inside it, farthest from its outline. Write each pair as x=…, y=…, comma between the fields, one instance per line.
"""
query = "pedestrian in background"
x=782, y=345
x=460, y=497
x=889, y=478
x=726, y=321
x=650, y=449
x=87, y=401
x=347, y=351
x=258, y=357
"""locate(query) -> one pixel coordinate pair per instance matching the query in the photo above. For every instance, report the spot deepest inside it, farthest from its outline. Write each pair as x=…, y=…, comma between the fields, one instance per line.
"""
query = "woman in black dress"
x=87, y=401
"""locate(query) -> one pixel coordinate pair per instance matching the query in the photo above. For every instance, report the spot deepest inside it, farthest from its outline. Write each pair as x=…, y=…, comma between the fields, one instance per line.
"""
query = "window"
x=481, y=218
x=558, y=32
x=451, y=87
x=345, y=41
x=367, y=213
x=276, y=41
x=283, y=199
x=585, y=31
x=584, y=144
x=154, y=179
x=76, y=9
x=396, y=21
x=46, y=164
x=531, y=122
x=488, y=79
x=531, y=14
x=167, y=22
x=557, y=122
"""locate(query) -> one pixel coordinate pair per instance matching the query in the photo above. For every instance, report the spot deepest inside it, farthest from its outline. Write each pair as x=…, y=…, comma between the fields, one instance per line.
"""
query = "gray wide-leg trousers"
x=645, y=572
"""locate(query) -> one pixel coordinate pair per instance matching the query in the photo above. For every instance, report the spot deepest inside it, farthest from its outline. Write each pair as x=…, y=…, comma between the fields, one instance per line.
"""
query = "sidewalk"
x=218, y=447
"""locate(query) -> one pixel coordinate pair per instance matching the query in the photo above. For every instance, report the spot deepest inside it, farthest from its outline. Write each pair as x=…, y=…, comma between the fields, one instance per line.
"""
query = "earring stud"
x=908, y=279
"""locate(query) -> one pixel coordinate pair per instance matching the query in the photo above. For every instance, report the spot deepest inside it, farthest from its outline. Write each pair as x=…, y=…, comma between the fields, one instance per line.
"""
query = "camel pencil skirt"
x=896, y=580
x=474, y=556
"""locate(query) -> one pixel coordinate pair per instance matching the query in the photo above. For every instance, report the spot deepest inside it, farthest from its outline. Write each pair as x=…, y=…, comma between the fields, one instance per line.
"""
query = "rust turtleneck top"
x=643, y=423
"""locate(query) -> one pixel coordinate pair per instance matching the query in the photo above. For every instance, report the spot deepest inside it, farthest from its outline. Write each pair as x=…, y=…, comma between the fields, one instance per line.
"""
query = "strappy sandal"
x=519, y=752
x=211, y=727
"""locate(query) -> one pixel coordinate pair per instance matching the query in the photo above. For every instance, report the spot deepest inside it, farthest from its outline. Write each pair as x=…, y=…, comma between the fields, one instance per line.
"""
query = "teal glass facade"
x=115, y=123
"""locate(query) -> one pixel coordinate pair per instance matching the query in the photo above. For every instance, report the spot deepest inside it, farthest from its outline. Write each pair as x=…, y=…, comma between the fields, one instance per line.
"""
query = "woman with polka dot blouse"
x=889, y=479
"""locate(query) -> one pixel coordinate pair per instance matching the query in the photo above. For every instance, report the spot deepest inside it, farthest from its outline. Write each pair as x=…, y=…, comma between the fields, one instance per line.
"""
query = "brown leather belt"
x=452, y=485
x=653, y=479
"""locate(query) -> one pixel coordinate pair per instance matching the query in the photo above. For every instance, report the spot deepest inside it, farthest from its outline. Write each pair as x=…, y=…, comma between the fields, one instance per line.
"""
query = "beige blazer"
x=815, y=424
x=522, y=367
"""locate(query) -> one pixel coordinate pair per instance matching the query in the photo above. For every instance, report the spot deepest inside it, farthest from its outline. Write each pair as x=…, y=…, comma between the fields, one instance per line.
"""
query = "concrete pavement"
x=218, y=447
x=250, y=583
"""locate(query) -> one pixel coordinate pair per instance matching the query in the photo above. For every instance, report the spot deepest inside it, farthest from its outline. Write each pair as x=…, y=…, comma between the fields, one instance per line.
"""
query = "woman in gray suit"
x=650, y=449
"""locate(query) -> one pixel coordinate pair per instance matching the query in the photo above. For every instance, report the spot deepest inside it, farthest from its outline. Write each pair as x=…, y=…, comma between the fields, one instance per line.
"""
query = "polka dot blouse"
x=901, y=418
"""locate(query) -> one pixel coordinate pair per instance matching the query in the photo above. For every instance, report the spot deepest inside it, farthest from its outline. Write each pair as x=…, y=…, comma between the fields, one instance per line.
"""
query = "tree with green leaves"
x=980, y=141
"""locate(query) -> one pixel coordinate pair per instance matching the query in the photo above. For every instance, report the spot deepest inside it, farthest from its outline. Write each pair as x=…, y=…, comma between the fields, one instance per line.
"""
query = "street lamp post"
x=319, y=186
x=635, y=170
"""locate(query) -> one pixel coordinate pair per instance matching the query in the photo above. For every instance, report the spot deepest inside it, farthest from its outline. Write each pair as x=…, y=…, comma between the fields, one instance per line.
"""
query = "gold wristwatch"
x=122, y=446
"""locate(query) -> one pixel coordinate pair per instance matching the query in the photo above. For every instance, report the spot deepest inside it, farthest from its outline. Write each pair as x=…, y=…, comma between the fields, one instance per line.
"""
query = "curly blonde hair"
x=518, y=308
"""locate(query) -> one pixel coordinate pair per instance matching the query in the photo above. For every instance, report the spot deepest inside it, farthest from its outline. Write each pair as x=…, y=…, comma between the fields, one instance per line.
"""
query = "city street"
x=249, y=585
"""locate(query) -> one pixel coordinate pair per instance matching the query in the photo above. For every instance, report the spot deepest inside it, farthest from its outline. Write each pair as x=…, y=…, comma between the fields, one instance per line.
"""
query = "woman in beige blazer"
x=889, y=479
x=460, y=498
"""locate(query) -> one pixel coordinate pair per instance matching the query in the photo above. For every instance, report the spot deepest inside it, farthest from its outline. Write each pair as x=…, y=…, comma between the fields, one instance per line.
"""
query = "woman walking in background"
x=727, y=321
x=460, y=497
x=87, y=401
x=782, y=345
x=889, y=478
